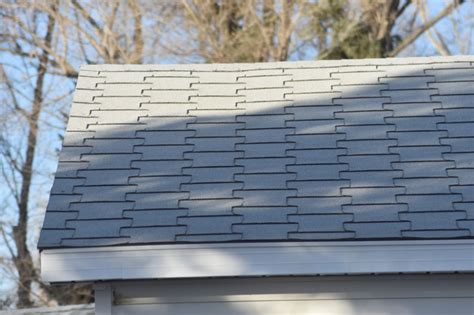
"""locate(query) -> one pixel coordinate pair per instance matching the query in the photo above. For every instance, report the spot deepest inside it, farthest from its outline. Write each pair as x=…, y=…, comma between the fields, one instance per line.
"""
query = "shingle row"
x=290, y=151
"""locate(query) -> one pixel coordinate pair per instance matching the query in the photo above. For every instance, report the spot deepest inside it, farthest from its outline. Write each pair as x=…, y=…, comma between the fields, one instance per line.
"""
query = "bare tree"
x=36, y=42
x=374, y=29
x=266, y=30
x=237, y=31
x=87, y=32
x=22, y=257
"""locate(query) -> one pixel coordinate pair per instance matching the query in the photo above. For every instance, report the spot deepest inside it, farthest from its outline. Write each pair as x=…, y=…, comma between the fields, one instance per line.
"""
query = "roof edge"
x=280, y=64
x=258, y=259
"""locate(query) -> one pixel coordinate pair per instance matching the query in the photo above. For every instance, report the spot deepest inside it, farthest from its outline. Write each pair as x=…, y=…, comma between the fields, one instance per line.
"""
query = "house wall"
x=347, y=295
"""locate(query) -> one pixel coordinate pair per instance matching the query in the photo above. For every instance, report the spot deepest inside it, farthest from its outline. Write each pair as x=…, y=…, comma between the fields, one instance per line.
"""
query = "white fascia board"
x=255, y=259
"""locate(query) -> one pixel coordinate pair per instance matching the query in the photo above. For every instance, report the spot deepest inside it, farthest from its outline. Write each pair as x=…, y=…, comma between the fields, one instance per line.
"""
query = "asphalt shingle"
x=320, y=150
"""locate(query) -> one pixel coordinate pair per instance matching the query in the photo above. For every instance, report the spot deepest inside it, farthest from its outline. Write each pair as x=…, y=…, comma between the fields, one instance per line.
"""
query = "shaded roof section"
x=323, y=150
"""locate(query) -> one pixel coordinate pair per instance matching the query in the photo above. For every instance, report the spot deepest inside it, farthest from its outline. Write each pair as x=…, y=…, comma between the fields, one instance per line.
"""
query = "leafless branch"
x=426, y=26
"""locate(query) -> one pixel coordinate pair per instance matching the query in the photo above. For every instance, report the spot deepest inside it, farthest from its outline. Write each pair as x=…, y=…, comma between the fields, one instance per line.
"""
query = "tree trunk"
x=23, y=260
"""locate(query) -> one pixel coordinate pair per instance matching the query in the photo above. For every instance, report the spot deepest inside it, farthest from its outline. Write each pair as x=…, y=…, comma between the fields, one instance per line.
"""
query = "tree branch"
x=88, y=17
x=137, y=54
x=439, y=44
x=403, y=8
x=414, y=36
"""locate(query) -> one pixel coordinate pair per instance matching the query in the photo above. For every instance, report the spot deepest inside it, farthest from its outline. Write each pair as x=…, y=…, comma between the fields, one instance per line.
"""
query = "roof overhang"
x=256, y=259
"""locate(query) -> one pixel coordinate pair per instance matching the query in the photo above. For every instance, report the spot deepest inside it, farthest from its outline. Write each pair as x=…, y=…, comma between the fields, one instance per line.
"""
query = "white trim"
x=256, y=259
x=103, y=298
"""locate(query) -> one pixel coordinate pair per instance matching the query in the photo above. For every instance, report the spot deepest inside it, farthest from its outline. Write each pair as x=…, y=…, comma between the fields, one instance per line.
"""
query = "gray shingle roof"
x=324, y=150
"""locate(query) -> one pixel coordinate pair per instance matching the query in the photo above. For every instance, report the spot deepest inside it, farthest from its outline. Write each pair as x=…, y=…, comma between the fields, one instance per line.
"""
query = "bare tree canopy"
x=44, y=42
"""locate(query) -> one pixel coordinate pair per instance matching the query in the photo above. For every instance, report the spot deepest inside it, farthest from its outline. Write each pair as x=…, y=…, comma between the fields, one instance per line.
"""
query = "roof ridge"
x=277, y=64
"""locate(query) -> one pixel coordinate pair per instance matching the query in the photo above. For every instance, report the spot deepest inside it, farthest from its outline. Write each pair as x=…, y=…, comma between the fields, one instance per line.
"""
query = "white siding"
x=354, y=295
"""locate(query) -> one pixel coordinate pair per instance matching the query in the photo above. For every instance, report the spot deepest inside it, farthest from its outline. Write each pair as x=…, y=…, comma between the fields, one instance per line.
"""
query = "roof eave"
x=256, y=259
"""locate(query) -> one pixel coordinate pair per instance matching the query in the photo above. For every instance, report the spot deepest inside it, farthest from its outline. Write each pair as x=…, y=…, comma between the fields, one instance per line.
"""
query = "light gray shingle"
x=372, y=146
x=367, y=178
x=161, y=167
x=440, y=220
x=319, y=205
x=318, y=187
x=209, y=207
x=455, y=101
x=267, y=231
x=314, y=112
x=420, y=123
x=216, y=143
x=209, y=224
x=458, y=87
x=365, y=131
x=265, y=214
x=157, y=200
x=410, y=96
x=381, y=229
x=411, y=109
x=315, y=141
x=429, y=202
x=362, y=103
x=143, y=218
x=320, y=222
x=369, y=162
x=100, y=210
x=152, y=233
x=264, y=197
x=460, y=129
x=374, y=213
x=373, y=195
x=97, y=228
